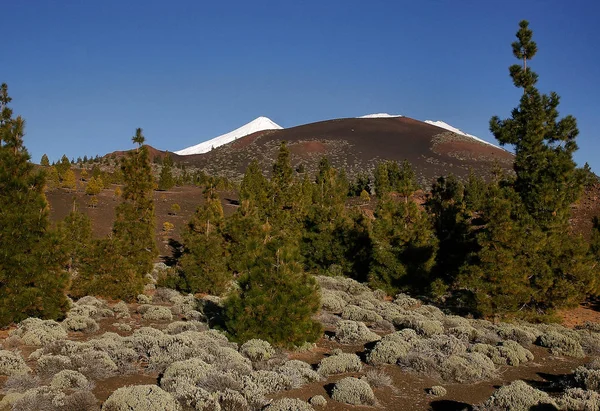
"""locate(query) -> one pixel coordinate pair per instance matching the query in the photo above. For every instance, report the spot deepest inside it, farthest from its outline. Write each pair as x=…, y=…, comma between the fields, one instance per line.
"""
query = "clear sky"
x=85, y=74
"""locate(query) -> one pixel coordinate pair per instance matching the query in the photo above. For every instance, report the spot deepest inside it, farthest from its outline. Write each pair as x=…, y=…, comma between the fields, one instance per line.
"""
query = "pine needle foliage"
x=166, y=180
x=133, y=229
x=204, y=261
x=404, y=243
x=547, y=181
x=276, y=302
x=32, y=275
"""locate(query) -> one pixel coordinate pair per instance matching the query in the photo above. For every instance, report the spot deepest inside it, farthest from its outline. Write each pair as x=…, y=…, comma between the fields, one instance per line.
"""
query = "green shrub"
x=270, y=381
x=353, y=391
x=276, y=305
x=157, y=313
x=70, y=379
x=355, y=313
x=588, y=378
x=48, y=365
x=80, y=323
x=298, y=372
x=257, y=350
x=354, y=332
x=230, y=400
x=339, y=363
x=142, y=398
x=387, y=351
x=179, y=327
x=578, y=399
x=11, y=363
x=33, y=331
x=560, y=344
x=48, y=398
x=331, y=301
x=517, y=396
x=318, y=401
x=420, y=324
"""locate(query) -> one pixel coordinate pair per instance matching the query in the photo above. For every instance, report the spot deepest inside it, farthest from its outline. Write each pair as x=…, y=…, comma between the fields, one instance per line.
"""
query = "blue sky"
x=85, y=74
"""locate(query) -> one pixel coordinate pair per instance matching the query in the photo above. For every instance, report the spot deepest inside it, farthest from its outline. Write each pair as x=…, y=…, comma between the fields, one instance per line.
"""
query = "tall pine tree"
x=547, y=181
x=32, y=275
x=134, y=225
x=204, y=261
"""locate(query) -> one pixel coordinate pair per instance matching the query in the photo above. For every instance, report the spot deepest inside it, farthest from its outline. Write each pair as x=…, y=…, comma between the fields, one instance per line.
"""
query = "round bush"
x=157, y=313
x=257, y=350
x=354, y=332
x=80, y=323
x=330, y=301
x=517, y=396
x=318, y=401
x=340, y=363
x=11, y=363
x=33, y=331
x=387, y=351
x=355, y=313
x=353, y=391
x=560, y=344
x=70, y=379
x=141, y=398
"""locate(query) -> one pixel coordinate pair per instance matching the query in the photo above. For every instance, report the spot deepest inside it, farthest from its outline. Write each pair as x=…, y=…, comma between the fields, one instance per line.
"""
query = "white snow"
x=258, y=124
x=448, y=127
x=380, y=115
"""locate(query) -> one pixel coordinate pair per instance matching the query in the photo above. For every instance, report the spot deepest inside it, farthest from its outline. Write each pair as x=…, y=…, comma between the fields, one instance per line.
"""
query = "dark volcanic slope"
x=356, y=144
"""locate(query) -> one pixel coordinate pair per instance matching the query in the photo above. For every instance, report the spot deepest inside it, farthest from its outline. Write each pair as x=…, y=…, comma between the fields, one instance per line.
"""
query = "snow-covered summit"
x=380, y=115
x=448, y=127
x=258, y=124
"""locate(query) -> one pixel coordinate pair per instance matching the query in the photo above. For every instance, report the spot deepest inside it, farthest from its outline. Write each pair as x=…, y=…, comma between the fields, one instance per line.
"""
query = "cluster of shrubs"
x=200, y=368
x=581, y=392
x=427, y=341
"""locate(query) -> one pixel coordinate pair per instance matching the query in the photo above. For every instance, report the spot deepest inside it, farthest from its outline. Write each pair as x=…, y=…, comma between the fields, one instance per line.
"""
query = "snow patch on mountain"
x=380, y=115
x=258, y=124
x=448, y=127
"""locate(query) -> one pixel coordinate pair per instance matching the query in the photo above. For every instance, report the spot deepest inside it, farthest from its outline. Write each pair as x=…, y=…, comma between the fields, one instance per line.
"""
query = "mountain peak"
x=258, y=124
x=380, y=115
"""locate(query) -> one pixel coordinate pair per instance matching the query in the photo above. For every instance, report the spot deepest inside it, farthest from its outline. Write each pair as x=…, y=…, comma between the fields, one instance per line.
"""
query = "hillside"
x=357, y=144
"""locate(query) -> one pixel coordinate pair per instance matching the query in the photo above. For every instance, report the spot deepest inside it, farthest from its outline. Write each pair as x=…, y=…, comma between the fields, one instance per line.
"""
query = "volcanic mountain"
x=259, y=124
x=356, y=145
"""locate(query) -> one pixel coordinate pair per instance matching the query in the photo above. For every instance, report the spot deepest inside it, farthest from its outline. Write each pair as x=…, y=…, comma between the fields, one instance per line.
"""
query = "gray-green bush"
x=353, y=391
x=339, y=363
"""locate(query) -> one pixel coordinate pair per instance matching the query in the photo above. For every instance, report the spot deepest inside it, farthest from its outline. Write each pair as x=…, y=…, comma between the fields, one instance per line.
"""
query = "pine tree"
x=245, y=235
x=166, y=180
x=276, y=300
x=404, y=244
x=133, y=229
x=76, y=230
x=498, y=275
x=451, y=218
x=32, y=275
x=325, y=225
x=106, y=272
x=524, y=261
x=94, y=186
x=546, y=174
x=44, y=161
x=204, y=261
x=68, y=180
x=255, y=187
